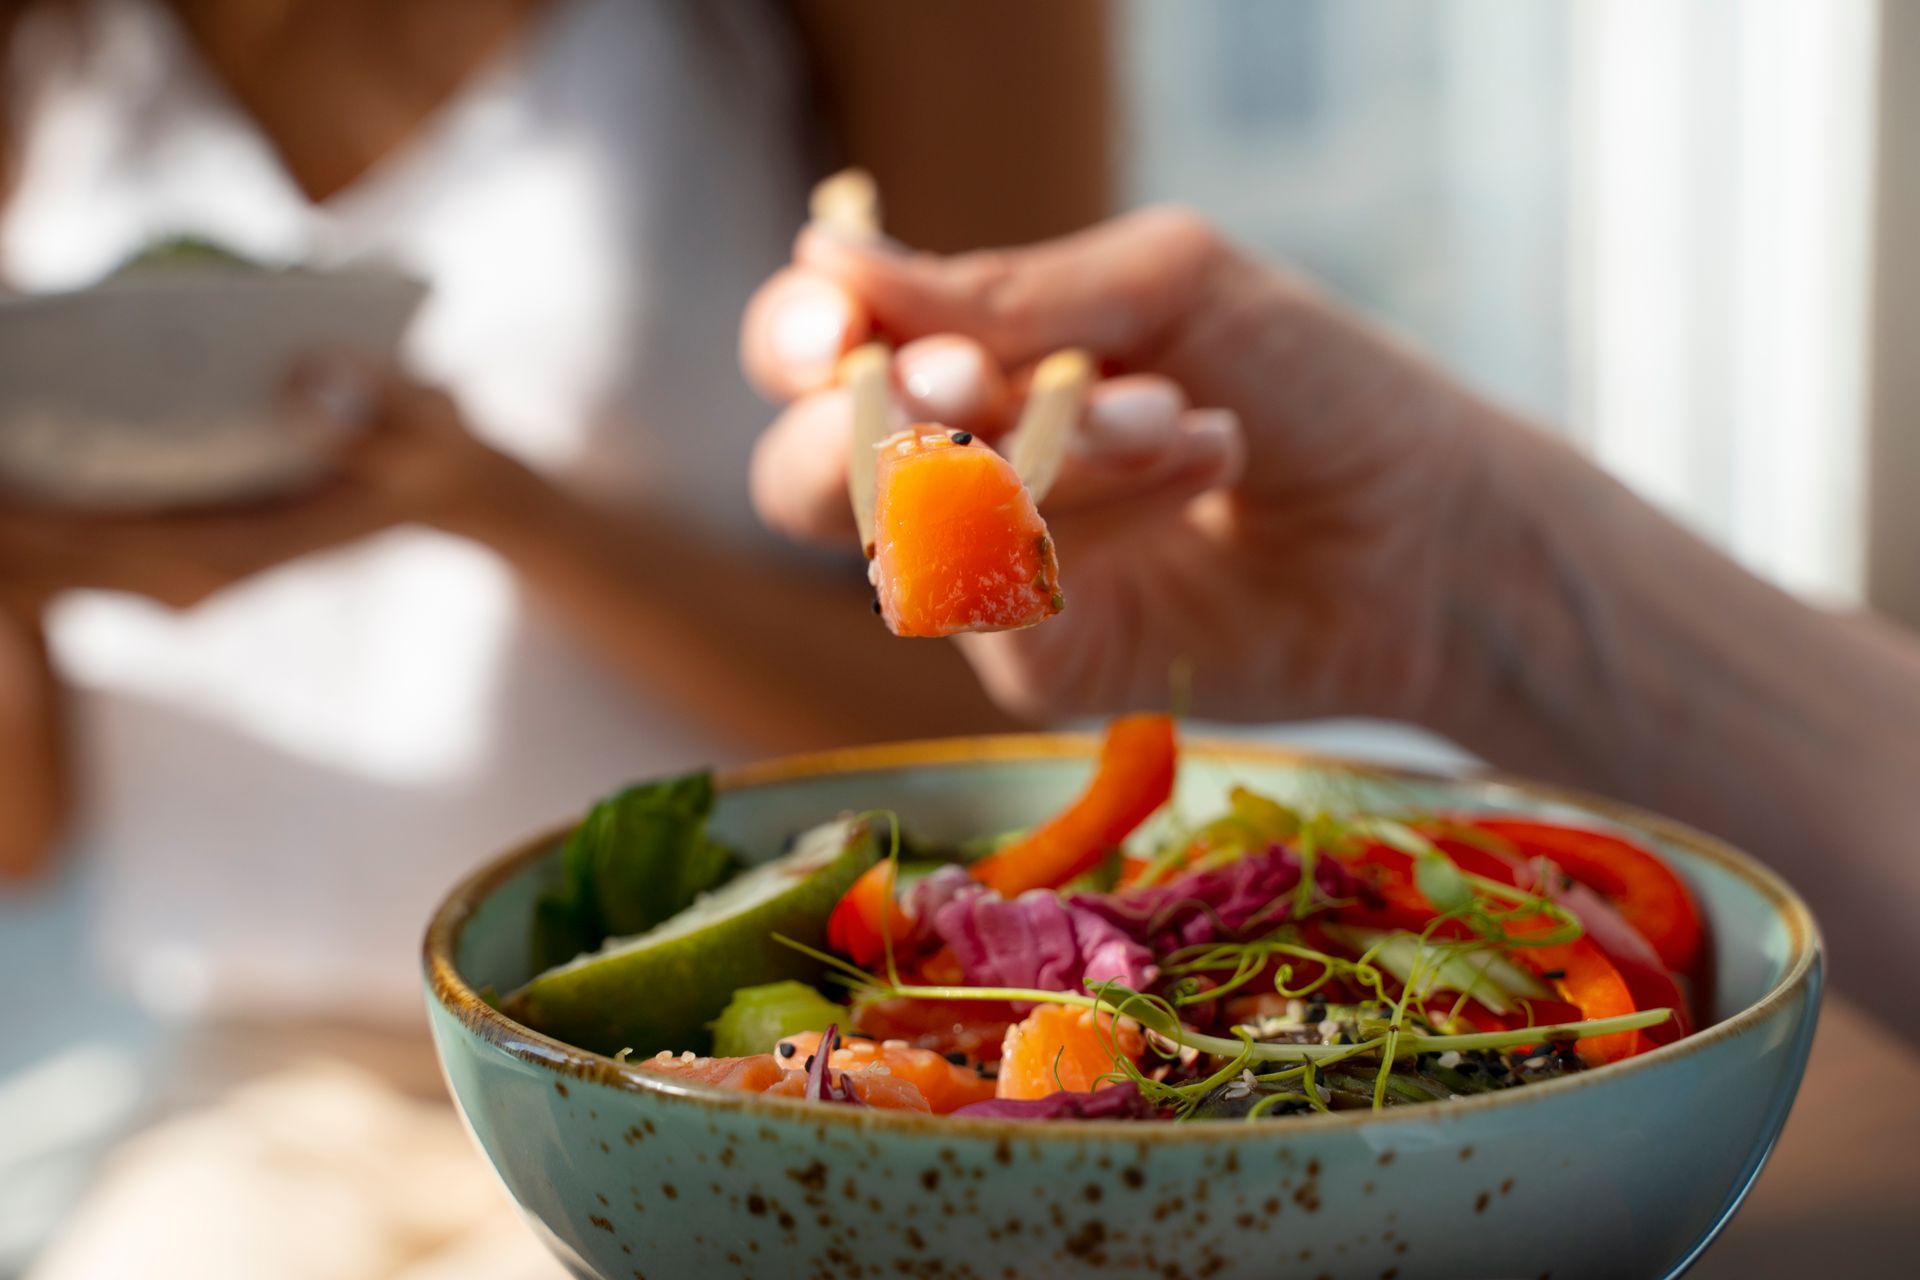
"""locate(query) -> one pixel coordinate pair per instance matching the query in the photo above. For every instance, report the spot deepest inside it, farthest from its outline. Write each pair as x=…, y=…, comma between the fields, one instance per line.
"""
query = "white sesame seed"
x=1534, y=1064
x=1449, y=1060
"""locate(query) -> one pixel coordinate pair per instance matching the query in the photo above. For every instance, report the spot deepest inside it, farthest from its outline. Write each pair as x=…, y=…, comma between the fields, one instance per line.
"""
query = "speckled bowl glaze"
x=1628, y=1170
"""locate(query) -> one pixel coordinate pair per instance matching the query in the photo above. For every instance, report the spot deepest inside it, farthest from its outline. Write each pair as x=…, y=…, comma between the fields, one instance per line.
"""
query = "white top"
x=278, y=784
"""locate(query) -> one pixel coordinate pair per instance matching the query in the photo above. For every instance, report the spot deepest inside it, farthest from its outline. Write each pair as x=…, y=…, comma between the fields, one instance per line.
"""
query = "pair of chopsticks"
x=849, y=202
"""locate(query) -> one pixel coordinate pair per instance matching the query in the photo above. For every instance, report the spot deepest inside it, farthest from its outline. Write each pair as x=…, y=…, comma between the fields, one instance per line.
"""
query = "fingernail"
x=1212, y=428
x=333, y=393
x=811, y=327
x=949, y=380
x=1216, y=432
x=1139, y=417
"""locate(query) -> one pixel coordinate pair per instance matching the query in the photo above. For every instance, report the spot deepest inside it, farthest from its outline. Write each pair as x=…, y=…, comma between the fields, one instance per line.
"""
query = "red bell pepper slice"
x=1638, y=884
x=1134, y=777
x=1580, y=972
x=866, y=918
x=1393, y=901
x=1639, y=964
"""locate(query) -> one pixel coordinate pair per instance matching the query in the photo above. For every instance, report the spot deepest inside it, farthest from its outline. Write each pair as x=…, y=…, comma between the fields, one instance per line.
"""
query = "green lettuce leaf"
x=640, y=856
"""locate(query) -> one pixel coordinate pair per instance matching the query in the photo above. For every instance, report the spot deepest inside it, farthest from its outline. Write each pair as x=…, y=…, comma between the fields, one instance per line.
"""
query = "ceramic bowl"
x=1627, y=1170
x=161, y=391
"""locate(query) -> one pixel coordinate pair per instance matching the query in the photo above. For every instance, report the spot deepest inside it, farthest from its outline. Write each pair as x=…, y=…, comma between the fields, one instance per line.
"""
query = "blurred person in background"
x=268, y=737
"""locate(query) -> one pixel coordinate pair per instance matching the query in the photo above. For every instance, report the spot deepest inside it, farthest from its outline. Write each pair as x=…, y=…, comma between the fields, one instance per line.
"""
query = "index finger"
x=796, y=327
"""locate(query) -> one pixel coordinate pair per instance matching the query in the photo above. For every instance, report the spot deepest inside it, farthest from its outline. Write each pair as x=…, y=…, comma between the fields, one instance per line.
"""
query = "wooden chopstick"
x=1040, y=441
x=867, y=374
x=849, y=203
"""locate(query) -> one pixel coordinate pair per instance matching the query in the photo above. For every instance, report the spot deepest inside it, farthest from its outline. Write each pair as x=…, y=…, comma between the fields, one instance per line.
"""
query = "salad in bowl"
x=1058, y=1007
x=1264, y=961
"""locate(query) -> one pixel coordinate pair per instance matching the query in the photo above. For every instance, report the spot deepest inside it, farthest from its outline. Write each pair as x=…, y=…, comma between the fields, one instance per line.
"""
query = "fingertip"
x=796, y=327
x=952, y=380
x=797, y=476
x=334, y=390
x=1131, y=416
x=1213, y=436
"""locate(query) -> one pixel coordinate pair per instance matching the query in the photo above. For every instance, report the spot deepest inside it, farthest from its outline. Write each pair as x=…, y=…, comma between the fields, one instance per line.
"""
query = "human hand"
x=1306, y=540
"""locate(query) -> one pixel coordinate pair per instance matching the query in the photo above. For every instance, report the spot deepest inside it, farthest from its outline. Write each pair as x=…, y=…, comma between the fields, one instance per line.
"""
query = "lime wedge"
x=659, y=989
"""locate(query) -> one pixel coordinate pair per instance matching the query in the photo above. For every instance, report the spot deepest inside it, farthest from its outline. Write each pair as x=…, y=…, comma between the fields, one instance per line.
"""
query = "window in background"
x=1646, y=220
x=1722, y=183
x=1409, y=155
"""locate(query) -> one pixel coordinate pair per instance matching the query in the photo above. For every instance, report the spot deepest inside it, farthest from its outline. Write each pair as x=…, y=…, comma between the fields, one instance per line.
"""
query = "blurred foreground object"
x=318, y=1172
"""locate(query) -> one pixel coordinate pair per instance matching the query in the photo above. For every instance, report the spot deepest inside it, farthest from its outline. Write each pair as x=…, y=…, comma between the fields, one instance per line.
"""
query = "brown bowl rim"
x=466, y=1005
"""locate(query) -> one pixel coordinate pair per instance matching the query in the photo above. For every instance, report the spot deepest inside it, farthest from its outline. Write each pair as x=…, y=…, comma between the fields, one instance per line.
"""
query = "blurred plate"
x=159, y=390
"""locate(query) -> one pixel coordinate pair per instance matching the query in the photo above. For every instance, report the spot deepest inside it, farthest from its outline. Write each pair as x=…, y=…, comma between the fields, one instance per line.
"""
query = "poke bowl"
x=635, y=1166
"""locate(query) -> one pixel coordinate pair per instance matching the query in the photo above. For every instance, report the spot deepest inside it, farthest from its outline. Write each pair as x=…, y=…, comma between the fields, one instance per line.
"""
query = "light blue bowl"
x=1628, y=1170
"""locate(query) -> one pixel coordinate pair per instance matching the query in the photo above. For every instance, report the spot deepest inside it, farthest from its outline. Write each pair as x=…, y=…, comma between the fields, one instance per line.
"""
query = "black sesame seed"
x=809, y=1062
x=788, y=1050
x=1316, y=1013
x=957, y=1058
x=1468, y=1067
x=876, y=604
x=1553, y=973
x=962, y=437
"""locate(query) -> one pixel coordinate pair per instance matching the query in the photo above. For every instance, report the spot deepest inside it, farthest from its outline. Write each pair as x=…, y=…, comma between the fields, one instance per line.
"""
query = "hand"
x=1306, y=542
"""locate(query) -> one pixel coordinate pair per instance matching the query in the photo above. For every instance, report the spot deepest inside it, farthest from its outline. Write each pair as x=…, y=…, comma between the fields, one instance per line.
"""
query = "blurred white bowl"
x=159, y=390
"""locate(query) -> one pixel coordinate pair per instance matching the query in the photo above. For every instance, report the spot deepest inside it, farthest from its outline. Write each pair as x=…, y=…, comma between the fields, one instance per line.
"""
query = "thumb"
x=1115, y=289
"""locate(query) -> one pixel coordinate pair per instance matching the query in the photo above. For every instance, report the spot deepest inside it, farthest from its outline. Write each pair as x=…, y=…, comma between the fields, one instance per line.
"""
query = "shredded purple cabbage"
x=824, y=1084
x=1248, y=895
x=1035, y=940
x=1115, y=1102
x=928, y=896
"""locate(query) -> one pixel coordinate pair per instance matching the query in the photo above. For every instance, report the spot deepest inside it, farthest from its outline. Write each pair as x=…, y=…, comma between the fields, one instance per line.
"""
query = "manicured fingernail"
x=949, y=380
x=1215, y=433
x=1137, y=417
x=810, y=329
x=1212, y=426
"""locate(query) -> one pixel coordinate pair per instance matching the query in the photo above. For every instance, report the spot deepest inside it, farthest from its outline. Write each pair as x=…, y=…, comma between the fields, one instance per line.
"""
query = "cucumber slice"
x=758, y=1018
x=659, y=989
x=1487, y=976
